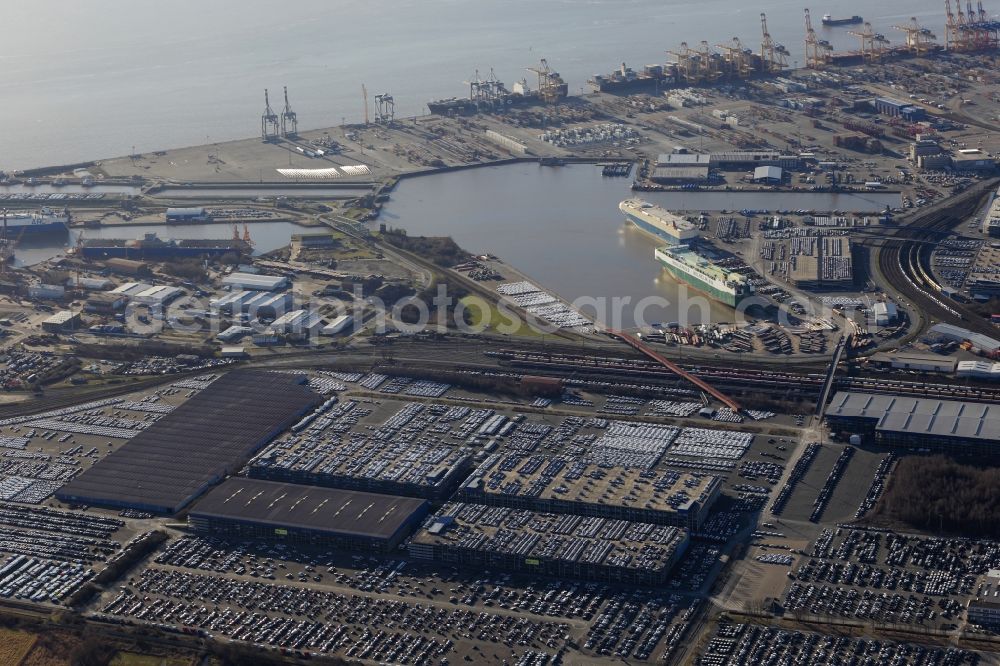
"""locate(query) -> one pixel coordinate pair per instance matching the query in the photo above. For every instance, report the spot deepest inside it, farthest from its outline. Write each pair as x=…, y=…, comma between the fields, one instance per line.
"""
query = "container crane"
x=735, y=56
x=551, y=87
x=955, y=38
x=289, y=119
x=685, y=63
x=270, y=126
x=385, y=109
x=919, y=40
x=818, y=51
x=773, y=55
x=873, y=43
x=707, y=64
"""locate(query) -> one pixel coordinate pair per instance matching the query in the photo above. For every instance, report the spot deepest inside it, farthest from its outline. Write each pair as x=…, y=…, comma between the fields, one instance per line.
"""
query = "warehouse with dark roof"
x=182, y=455
x=919, y=423
x=244, y=508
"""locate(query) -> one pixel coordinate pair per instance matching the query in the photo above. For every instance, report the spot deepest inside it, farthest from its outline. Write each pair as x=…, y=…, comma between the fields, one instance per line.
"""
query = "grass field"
x=15, y=646
x=495, y=318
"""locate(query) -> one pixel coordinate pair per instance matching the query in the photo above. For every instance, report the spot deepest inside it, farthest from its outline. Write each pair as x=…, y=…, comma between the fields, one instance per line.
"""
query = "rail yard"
x=302, y=431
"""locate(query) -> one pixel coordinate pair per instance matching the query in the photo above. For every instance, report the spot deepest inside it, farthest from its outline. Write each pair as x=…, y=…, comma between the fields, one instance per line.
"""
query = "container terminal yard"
x=222, y=443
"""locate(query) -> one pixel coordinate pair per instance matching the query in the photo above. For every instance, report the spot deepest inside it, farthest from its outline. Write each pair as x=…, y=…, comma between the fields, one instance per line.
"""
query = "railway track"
x=966, y=393
x=904, y=262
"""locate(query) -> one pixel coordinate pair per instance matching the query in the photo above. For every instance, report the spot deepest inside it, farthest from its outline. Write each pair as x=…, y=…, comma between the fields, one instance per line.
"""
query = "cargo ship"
x=490, y=94
x=830, y=21
x=690, y=267
x=151, y=246
x=658, y=222
x=19, y=224
x=626, y=79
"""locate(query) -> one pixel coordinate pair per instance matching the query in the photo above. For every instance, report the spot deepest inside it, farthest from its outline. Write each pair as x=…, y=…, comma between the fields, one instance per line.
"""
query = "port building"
x=568, y=486
x=61, y=321
x=314, y=456
x=183, y=454
x=770, y=175
x=917, y=423
x=187, y=215
x=242, y=508
x=254, y=282
x=897, y=109
x=563, y=546
x=681, y=168
x=984, y=344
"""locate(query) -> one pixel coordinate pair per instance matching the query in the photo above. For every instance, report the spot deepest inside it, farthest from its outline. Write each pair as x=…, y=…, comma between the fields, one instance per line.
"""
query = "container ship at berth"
x=830, y=21
x=690, y=267
x=152, y=247
x=658, y=222
x=626, y=79
x=46, y=221
x=491, y=95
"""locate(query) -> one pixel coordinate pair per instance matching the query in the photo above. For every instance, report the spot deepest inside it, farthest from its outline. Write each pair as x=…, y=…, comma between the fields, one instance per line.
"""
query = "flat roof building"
x=189, y=214
x=768, y=174
x=323, y=454
x=157, y=296
x=563, y=485
x=175, y=460
x=885, y=313
x=243, y=508
x=982, y=370
x=64, y=320
x=986, y=345
x=298, y=322
x=565, y=546
x=918, y=423
x=256, y=282
x=338, y=325
x=915, y=361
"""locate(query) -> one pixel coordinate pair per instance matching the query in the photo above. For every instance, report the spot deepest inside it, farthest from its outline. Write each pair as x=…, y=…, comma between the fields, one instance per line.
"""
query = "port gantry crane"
x=548, y=82
x=708, y=69
x=873, y=44
x=737, y=60
x=919, y=40
x=955, y=34
x=270, y=126
x=385, y=109
x=819, y=52
x=289, y=120
x=686, y=68
x=773, y=55
x=983, y=30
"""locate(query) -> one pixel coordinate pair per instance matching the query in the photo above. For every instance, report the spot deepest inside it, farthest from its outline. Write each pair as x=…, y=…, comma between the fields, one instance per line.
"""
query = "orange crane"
x=919, y=40
x=637, y=344
x=872, y=43
x=954, y=35
x=818, y=51
x=773, y=55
